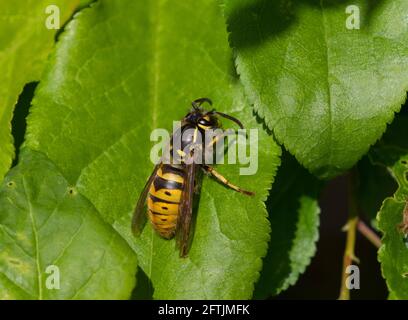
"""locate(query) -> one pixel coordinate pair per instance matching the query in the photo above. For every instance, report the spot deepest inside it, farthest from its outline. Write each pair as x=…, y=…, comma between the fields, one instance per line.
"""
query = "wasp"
x=170, y=188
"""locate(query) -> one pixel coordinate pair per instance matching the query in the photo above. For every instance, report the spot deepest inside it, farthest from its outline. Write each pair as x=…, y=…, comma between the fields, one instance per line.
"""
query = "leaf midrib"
x=328, y=88
x=156, y=27
x=35, y=233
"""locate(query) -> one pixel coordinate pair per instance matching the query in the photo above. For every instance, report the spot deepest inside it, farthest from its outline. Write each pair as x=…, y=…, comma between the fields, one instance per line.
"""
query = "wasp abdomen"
x=164, y=199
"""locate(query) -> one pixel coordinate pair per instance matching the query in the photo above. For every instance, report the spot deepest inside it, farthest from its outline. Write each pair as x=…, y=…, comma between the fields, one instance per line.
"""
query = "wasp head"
x=206, y=119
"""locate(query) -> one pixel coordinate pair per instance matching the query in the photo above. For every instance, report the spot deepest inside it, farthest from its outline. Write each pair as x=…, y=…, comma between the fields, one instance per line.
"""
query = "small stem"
x=351, y=228
x=349, y=255
x=369, y=234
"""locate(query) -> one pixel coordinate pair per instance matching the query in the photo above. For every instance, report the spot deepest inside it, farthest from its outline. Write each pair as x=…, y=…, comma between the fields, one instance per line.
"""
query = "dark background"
x=322, y=278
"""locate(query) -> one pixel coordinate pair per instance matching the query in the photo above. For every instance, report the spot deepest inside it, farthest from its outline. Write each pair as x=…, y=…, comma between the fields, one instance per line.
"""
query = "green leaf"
x=326, y=91
x=294, y=214
x=122, y=69
x=393, y=254
x=375, y=183
x=84, y=3
x=25, y=43
x=392, y=153
x=44, y=223
x=382, y=193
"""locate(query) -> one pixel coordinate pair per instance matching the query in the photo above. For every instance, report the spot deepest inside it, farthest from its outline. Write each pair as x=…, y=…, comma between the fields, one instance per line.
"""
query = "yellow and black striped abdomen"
x=164, y=198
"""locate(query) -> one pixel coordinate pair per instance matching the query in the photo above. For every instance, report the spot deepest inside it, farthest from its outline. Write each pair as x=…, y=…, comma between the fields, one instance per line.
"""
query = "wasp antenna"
x=195, y=105
x=198, y=102
x=230, y=118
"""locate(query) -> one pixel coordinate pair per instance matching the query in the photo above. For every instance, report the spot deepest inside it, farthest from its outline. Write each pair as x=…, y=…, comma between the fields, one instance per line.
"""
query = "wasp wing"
x=139, y=215
x=183, y=228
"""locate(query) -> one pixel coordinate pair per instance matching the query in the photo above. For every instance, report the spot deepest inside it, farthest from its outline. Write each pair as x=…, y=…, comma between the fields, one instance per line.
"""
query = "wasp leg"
x=209, y=147
x=225, y=133
x=224, y=181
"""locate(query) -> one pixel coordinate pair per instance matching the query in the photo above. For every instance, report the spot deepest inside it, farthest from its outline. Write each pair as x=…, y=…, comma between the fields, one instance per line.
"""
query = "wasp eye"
x=204, y=122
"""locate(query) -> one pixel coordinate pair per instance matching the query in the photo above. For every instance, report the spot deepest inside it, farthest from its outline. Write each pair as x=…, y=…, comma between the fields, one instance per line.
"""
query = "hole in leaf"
x=167, y=193
x=18, y=123
x=10, y=184
x=165, y=208
x=404, y=162
x=71, y=191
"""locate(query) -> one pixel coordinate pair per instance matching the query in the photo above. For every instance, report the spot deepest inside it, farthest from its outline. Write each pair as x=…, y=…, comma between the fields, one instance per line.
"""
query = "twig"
x=369, y=234
x=351, y=228
x=349, y=255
